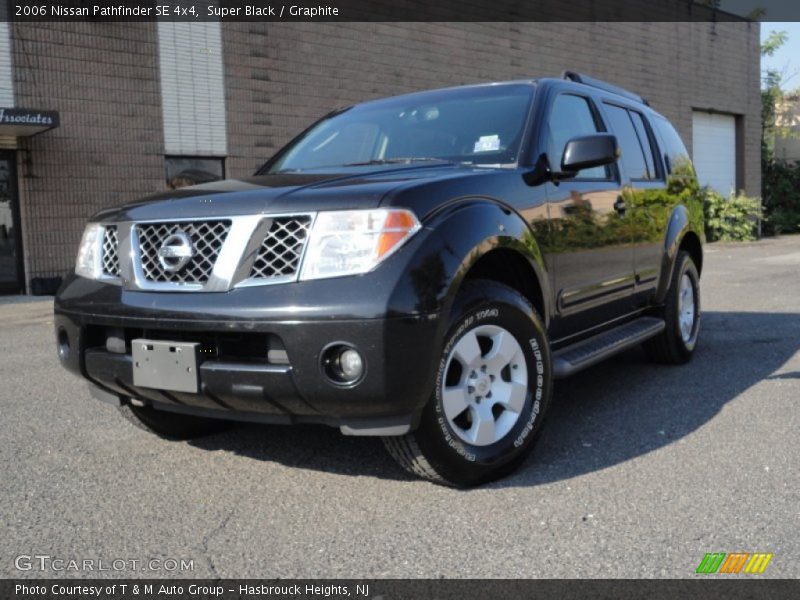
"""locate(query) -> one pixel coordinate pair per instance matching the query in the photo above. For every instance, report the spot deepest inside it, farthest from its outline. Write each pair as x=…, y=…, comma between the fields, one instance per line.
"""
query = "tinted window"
x=675, y=152
x=350, y=142
x=644, y=139
x=632, y=155
x=571, y=116
x=480, y=125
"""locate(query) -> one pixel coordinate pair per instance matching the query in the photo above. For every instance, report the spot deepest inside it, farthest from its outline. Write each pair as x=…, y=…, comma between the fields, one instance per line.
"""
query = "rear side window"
x=571, y=116
x=633, y=154
x=644, y=139
x=675, y=152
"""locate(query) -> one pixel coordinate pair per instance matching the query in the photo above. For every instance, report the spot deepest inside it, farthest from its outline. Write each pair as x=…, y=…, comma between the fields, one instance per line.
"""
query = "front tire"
x=492, y=390
x=681, y=313
x=169, y=425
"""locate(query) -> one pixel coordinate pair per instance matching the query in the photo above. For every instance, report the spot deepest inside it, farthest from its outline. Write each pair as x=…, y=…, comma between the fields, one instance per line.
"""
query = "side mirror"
x=589, y=151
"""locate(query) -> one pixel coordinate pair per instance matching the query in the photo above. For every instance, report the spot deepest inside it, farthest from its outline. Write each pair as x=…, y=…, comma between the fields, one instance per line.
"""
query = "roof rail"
x=602, y=85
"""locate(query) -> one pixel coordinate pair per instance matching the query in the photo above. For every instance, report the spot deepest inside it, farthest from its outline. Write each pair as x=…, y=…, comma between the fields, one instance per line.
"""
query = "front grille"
x=282, y=248
x=110, y=251
x=207, y=238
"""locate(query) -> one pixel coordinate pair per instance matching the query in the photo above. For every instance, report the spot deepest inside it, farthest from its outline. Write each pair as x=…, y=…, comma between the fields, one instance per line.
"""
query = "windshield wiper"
x=393, y=161
x=374, y=161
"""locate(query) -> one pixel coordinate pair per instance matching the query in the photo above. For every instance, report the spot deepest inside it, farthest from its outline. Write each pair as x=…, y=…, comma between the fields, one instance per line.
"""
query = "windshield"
x=480, y=126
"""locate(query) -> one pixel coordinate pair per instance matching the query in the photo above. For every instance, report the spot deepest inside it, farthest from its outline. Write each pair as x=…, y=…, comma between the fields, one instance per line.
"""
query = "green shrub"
x=781, y=188
x=732, y=219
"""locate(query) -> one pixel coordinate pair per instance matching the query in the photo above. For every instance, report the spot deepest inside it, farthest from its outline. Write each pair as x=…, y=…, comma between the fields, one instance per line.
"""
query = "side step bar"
x=568, y=361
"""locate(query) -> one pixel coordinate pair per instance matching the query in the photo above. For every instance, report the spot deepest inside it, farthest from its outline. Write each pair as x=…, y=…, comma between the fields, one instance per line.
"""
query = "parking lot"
x=640, y=471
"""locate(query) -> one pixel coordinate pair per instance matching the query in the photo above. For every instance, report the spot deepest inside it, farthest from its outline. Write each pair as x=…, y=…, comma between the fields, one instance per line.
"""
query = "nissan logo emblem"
x=175, y=252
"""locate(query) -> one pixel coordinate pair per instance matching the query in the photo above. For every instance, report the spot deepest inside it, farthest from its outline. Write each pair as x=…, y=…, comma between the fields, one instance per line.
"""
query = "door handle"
x=619, y=206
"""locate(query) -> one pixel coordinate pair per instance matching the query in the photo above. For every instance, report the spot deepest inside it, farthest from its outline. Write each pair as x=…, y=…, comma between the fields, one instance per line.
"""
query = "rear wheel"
x=681, y=313
x=492, y=390
x=169, y=425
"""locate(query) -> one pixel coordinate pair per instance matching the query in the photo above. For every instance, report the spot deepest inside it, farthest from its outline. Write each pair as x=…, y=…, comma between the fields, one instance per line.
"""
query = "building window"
x=192, y=170
x=192, y=80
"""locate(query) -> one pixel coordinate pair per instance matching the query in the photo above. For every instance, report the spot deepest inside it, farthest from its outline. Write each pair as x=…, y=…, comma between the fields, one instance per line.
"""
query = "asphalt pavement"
x=640, y=471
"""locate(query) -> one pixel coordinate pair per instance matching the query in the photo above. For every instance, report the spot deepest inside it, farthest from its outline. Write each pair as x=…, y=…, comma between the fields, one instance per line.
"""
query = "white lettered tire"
x=492, y=391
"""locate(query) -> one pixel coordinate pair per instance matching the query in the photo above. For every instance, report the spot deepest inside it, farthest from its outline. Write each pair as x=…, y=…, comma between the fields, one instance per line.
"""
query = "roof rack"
x=602, y=85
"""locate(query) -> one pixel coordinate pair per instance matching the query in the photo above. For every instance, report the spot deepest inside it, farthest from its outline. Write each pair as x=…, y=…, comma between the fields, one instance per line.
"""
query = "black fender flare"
x=477, y=226
x=678, y=226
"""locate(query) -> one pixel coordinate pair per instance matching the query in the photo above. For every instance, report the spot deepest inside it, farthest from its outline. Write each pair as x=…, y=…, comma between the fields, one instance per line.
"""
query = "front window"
x=477, y=126
x=571, y=116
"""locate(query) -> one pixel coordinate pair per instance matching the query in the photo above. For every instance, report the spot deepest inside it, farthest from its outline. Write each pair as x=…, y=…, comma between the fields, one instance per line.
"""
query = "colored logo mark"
x=735, y=562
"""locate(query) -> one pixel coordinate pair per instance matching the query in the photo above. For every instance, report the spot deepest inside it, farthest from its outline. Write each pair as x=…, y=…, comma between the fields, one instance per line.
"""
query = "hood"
x=361, y=187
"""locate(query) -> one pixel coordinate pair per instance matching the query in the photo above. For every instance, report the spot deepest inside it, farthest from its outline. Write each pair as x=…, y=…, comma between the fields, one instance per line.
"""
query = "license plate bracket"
x=166, y=365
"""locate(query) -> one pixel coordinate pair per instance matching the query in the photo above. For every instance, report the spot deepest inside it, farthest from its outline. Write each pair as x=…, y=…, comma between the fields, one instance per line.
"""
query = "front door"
x=11, y=280
x=590, y=245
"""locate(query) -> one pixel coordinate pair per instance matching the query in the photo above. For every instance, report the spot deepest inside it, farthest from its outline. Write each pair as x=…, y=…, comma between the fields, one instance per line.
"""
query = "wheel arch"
x=692, y=244
x=682, y=234
x=510, y=267
x=494, y=242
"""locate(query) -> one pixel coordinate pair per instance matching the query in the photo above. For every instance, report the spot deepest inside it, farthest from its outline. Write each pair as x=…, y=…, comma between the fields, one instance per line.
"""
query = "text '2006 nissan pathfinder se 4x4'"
x=418, y=268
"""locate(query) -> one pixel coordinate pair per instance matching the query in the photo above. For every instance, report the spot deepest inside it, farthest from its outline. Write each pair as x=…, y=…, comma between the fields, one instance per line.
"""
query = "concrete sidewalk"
x=17, y=310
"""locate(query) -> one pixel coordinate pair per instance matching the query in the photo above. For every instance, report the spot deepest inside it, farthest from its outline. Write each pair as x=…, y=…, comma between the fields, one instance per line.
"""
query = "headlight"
x=89, y=259
x=350, y=242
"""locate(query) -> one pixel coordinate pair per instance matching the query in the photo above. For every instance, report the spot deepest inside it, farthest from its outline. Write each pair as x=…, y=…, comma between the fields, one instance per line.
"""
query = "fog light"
x=342, y=364
x=351, y=364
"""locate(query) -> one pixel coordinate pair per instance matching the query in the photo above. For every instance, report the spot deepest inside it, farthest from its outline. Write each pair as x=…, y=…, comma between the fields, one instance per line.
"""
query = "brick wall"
x=103, y=80
x=280, y=77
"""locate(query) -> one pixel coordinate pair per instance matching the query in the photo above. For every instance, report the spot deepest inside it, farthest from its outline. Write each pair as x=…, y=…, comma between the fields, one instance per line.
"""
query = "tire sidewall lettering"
x=537, y=393
x=535, y=358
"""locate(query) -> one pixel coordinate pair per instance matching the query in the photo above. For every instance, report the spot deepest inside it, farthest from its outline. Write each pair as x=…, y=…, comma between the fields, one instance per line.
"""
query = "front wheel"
x=492, y=390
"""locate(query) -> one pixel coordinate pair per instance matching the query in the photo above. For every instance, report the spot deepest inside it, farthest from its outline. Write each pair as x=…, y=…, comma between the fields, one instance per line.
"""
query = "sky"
x=786, y=59
x=772, y=9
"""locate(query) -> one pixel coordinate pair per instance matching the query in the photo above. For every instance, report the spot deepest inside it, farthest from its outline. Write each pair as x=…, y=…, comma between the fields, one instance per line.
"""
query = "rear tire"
x=492, y=391
x=681, y=313
x=169, y=425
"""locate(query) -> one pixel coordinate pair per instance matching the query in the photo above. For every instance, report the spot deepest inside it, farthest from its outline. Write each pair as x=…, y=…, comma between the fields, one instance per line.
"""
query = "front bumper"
x=400, y=353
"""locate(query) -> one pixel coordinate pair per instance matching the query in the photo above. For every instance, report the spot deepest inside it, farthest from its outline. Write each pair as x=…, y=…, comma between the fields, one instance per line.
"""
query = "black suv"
x=418, y=268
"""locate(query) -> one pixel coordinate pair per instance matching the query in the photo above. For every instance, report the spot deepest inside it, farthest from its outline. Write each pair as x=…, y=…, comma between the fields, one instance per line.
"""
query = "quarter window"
x=675, y=153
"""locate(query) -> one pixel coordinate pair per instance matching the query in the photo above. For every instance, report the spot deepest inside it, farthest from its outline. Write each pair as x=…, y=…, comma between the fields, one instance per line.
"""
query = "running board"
x=581, y=355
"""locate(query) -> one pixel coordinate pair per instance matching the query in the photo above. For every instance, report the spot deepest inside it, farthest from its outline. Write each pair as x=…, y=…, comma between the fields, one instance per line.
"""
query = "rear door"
x=589, y=245
x=647, y=204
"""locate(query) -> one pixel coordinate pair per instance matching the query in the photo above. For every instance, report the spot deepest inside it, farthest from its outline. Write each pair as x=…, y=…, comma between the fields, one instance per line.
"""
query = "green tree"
x=771, y=95
x=780, y=181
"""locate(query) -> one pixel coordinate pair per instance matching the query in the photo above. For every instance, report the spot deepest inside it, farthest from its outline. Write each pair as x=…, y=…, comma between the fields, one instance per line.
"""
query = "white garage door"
x=714, y=149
